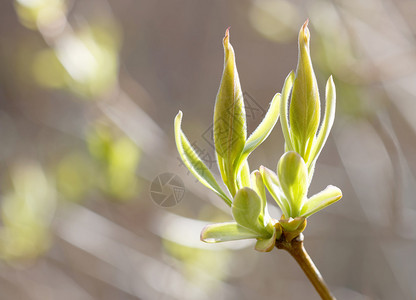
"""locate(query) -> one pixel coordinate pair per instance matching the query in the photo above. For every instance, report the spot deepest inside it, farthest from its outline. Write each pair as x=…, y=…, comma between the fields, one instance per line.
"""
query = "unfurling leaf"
x=284, y=107
x=293, y=227
x=248, y=211
x=271, y=181
x=243, y=178
x=293, y=179
x=229, y=119
x=223, y=232
x=330, y=103
x=264, y=128
x=258, y=187
x=267, y=245
x=304, y=111
x=194, y=163
x=321, y=200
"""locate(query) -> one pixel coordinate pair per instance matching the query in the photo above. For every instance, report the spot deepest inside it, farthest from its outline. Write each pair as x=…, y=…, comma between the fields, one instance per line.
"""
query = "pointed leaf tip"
x=304, y=108
x=304, y=32
x=227, y=36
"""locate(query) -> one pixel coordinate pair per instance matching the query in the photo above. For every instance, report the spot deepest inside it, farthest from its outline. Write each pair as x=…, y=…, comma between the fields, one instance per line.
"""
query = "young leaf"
x=244, y=175
x=293, y=227
x=258, y=187
x=293, y=179
x=304, y=111
x=271, y=181
x=247, y=210
x=326, y=123
x=321, y=200
x=293, y=224
x=264, y=128
x=267, y=245
x=284, y=106
x=223, y=232
x=194, y=163
x=229, y=117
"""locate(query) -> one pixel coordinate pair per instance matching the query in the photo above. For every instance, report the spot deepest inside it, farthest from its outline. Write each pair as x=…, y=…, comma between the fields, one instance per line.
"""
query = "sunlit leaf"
x=293, y=179
x=247, y=209
x=244, y=176
x=267, y=245
x=327, y=122
x=304, y=111
x=264, y=128
x=223, y=232
x=271, y=181
x=321, y=200
x=258, y=187
x=229, y=118
x=284, y=106
x=194, y=163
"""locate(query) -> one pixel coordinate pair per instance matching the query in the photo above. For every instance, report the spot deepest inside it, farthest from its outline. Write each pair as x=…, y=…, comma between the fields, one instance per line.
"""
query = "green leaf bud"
x=304, y=109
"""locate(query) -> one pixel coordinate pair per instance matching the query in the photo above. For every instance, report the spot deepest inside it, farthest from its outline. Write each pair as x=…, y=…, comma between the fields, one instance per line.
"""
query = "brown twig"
x=296, y=249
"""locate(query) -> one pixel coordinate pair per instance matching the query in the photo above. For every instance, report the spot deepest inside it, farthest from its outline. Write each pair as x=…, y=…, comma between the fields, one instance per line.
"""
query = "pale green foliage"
x=248, y=210
x=264, y=129
x=321, y=200
x=252, y=221
x=289, y=188
x=293, y=179
x=300, y=119
x=300, y=128
x=304, y=109
x=194, y=163
x=229, y=118
x=229, y=231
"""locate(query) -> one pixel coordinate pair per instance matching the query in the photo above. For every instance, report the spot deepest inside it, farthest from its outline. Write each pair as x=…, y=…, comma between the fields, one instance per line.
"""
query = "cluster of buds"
x=305, y=136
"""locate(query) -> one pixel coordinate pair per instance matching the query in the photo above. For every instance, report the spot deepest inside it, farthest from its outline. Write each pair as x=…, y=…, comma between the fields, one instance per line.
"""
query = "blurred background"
x=96, y=204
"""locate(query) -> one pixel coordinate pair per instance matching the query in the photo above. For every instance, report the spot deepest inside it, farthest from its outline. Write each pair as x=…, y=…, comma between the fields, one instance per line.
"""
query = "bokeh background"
x=88, y=93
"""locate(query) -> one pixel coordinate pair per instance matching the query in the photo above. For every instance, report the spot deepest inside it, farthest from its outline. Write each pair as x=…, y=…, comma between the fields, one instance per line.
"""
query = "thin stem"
x=296, y=249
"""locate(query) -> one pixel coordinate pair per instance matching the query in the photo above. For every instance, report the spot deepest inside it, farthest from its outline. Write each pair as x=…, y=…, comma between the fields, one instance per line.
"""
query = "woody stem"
x=298, y=252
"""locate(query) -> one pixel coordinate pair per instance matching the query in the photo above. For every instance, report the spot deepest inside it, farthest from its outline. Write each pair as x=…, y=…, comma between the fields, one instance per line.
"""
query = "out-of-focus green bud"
x=118, y=158
x=229, y=119
x=40, y=13
x=300, y=129
x=26, y=214
x=304, y=110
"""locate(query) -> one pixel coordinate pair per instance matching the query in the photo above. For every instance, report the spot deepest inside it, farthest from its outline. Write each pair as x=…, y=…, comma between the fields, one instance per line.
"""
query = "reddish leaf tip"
x=227, y=34
x=305, y=24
